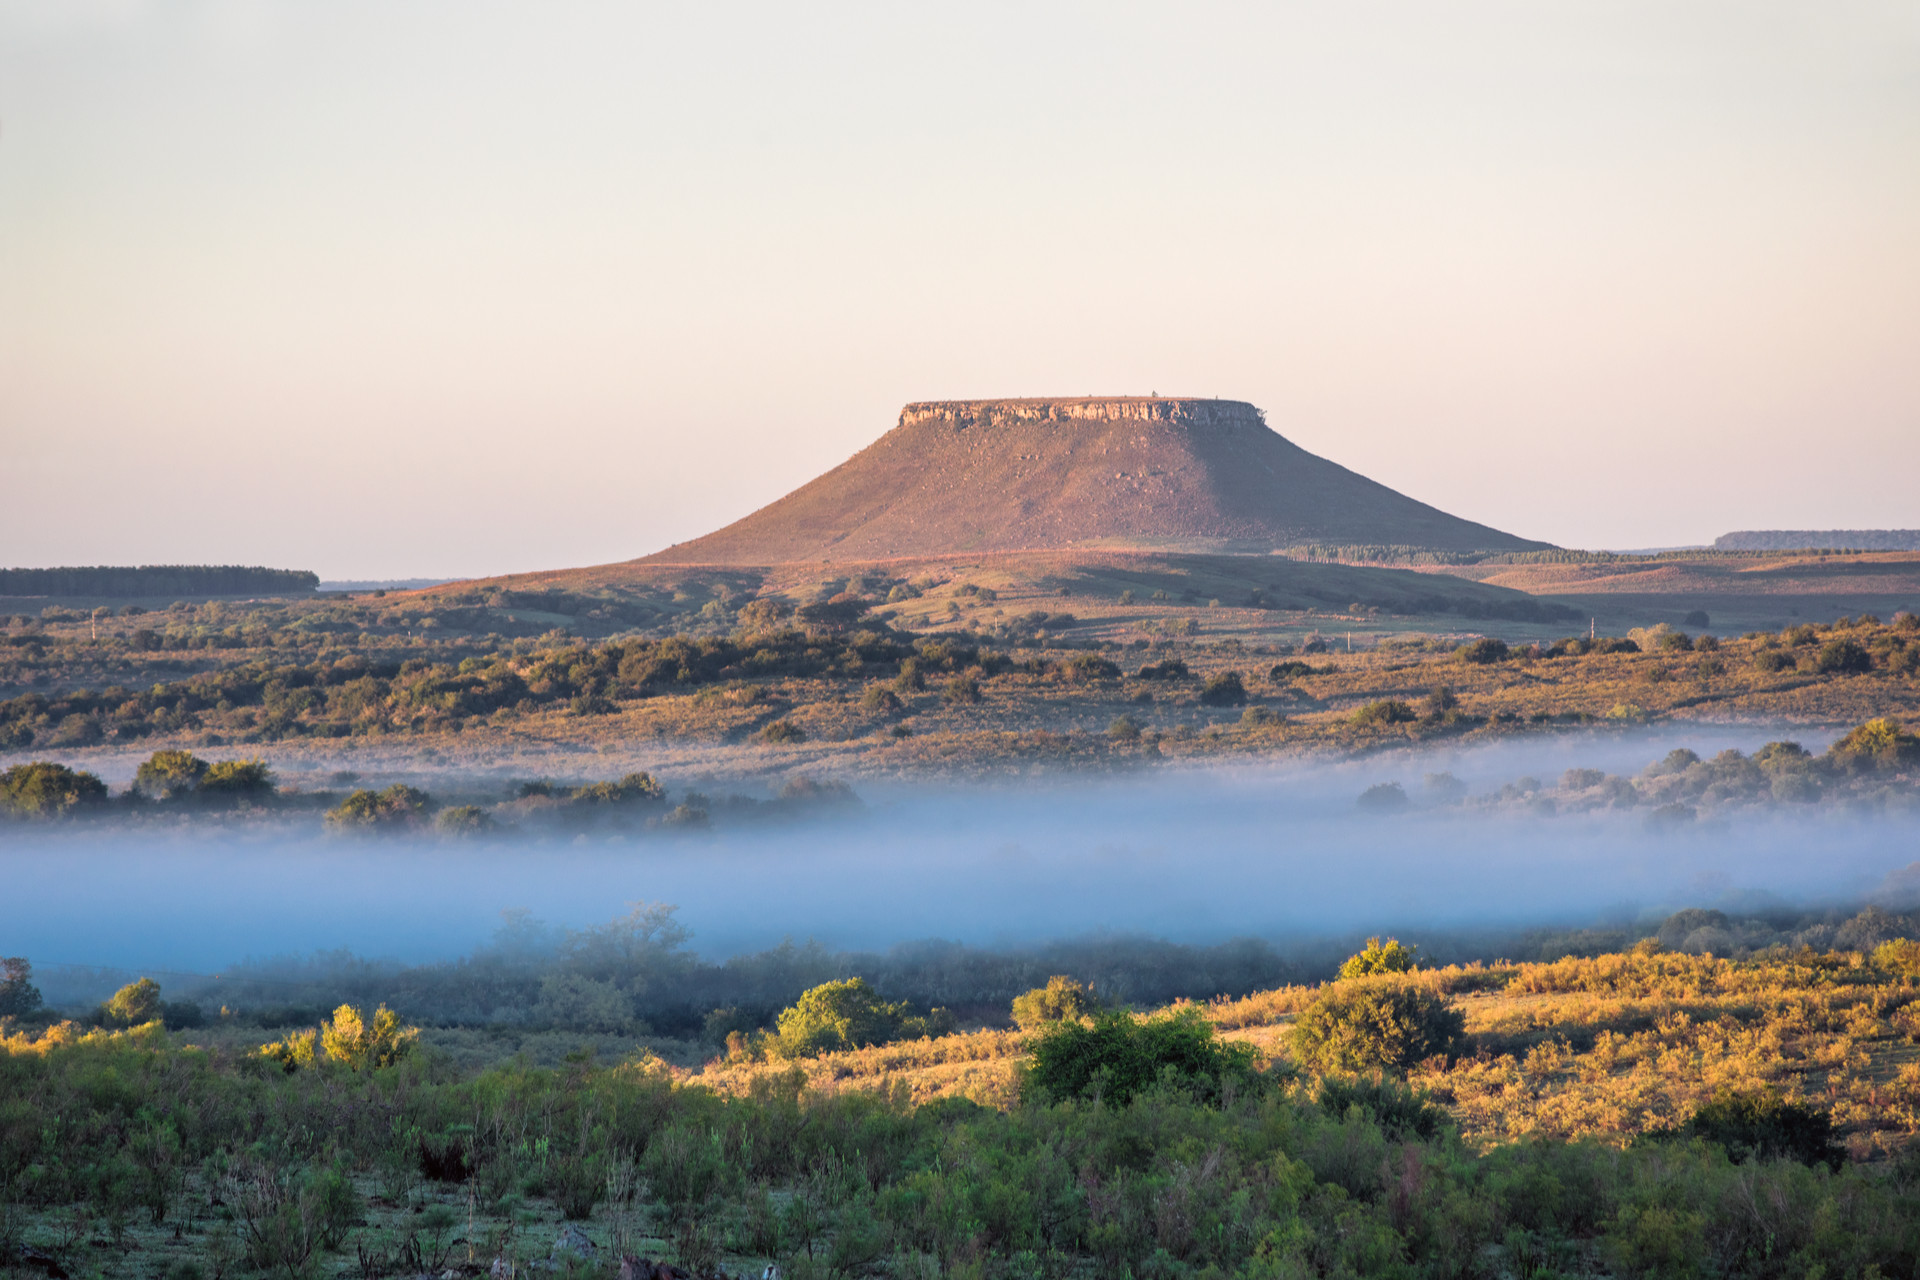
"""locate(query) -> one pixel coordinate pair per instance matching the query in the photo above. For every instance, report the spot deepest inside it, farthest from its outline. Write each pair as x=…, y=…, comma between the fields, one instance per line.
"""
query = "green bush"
x=397, y=808
x=837, y=1016
x=1483, y=652
x=1386, y=711
x=1224, y=689
x=47, y=790
x=1773, y=661
x=1392, y=956
x=1061, y=1000
x=1842, y=657
x=1376, y=1025
x=782, y=731
x=134, y=1004
x=1117, y=1056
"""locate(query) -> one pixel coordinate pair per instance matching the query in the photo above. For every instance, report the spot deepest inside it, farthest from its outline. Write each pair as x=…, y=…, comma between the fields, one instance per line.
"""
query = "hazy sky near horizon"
x=460, y=288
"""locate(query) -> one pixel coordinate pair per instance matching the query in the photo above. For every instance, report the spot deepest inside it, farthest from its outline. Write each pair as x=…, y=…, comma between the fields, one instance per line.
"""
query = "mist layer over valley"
x=1198, y=857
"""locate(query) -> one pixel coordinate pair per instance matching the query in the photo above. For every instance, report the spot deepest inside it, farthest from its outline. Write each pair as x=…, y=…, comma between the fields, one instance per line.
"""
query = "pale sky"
x=396, y=289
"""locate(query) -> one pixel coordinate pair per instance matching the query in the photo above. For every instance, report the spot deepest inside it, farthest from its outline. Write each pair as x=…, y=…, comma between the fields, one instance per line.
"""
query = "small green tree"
x=1393, y=956
x=1061, y=1000
x=465, y=821
x=169, y=775
x=135, y=1004
x=1375, y=1025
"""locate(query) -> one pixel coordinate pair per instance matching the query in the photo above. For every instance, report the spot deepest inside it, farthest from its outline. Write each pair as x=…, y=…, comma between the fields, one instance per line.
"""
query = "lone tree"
x=1392, y=956
x=1376, y=1025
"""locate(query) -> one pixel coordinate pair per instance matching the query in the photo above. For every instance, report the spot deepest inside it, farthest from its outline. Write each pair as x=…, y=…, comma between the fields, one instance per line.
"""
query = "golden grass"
x=1607, y=1047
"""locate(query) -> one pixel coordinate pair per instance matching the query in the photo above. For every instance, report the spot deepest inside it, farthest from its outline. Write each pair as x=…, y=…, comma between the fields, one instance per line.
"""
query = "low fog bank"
x=1198, y=857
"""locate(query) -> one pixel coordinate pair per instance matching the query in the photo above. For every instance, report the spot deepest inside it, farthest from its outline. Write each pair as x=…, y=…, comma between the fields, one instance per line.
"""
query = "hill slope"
x=1012, y=475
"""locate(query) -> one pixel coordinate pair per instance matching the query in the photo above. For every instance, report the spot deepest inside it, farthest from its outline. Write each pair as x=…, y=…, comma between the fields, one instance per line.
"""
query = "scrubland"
x=837, y=688
x=1553, y=1138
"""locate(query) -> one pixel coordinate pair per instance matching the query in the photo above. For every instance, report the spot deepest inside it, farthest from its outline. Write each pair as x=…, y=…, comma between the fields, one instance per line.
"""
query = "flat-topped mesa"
x=1044, y=473
x=1170, y=409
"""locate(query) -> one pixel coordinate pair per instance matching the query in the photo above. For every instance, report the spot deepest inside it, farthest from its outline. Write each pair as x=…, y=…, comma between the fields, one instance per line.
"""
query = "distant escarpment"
x=970, y=476
x=1819, y=540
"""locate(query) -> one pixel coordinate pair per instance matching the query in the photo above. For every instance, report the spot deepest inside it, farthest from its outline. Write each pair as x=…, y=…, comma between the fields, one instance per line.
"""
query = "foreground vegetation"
x=1650, y=1113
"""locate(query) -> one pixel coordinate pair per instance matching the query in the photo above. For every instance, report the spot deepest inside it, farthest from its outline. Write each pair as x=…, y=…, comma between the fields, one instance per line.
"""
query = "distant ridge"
x=1162, y=473
x=1819, y=540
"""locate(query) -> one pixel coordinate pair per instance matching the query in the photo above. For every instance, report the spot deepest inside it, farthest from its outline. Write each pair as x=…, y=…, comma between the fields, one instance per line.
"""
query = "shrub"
x=849, y=1015
x=1675, y=642
x=134, y=1004
x=962, y=689
x=1484, y=651
x=1440, y=701
x=1393, y=956
x=880, y=699
x=1061, y=1000
x=634, y=789
x=1123, y=729
x=350, y=1040
x=1376, y=1025
x=396, y=808
x=1842, y=657
x=1754, y=1126
x=1224, y=689
x=1582, y=779
x=232, y=781
x=47, y=790
x=1384, y=712
x=1773, y=661
x=1878, y=744
x=1116, y=1056
x=1383, y=797
x=782, y=731
x=169, y=775
x=1281, y=671
x=1170, y=669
